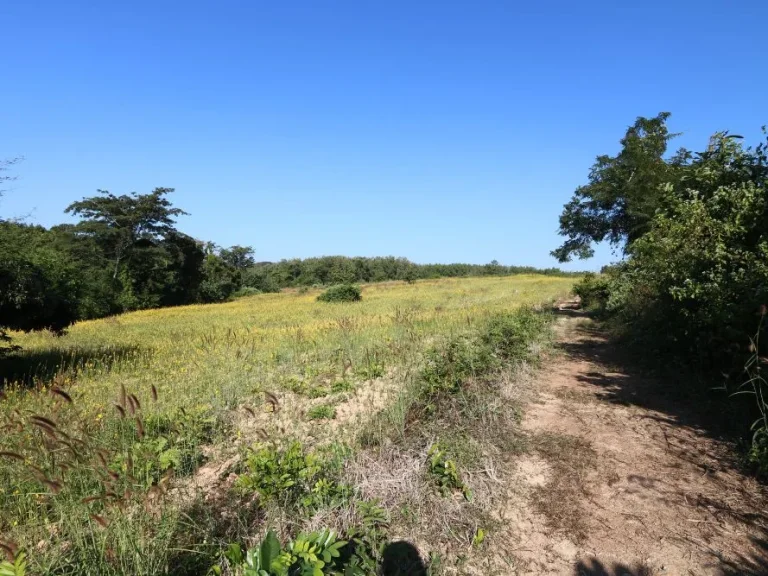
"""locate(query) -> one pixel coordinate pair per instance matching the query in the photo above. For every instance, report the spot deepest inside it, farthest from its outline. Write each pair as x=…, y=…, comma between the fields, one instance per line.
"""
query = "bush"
x=593, y=290
x=246, y=291
x=341, y=293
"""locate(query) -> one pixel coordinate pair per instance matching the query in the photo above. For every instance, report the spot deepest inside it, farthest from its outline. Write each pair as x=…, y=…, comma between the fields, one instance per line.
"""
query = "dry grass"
x=213, y=379
x=560, y=499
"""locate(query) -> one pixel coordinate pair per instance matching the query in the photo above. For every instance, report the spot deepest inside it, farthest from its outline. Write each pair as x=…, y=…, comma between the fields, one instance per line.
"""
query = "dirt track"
x=623, y=479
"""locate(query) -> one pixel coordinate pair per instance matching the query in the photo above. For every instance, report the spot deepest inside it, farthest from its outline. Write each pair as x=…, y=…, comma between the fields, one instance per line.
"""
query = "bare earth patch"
x=621, y=481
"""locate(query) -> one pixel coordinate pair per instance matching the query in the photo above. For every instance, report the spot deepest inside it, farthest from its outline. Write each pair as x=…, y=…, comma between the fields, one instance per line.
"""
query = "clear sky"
x=437, y=130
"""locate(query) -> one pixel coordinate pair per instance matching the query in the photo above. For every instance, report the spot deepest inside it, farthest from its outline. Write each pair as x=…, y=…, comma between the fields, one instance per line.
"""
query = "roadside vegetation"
x=692, y=287
x=260, y=434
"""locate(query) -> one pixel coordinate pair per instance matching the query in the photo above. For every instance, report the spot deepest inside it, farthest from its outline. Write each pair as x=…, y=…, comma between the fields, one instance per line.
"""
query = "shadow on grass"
x=28, y=368
x=401, y=558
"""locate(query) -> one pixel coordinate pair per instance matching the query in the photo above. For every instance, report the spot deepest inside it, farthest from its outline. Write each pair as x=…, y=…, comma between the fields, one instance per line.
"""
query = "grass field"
x=116, y=432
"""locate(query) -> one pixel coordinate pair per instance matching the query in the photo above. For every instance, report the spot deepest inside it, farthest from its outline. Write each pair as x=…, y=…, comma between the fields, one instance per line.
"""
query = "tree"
x=623, y=193
x=121, y=223
x=239, y=257
x=37, y=286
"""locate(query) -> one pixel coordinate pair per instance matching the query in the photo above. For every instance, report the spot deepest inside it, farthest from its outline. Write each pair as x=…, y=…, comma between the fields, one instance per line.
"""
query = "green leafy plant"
x=445, y=473
x=16, y=568
x=372, y=365
x=293, y=476
x=342, y=385
x=322, y=412
x=341, y=293
x=593, y=290
x=315, y=554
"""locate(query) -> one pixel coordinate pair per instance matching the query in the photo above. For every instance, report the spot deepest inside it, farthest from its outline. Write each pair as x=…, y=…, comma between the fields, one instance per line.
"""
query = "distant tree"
x=239, y=257
x=219, y=279
x=623, y=193
x=493, y=268
x=37, y=286
x=121, y=223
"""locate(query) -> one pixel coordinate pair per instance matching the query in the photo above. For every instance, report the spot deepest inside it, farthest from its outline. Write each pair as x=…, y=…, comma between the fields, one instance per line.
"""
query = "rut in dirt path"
x=623, y=478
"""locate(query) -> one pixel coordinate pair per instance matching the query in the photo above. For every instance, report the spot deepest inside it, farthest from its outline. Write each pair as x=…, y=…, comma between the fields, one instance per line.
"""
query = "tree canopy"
x=623, y=193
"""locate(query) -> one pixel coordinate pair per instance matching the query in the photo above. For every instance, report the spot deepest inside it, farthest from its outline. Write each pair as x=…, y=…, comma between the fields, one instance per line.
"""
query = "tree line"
x=692, y=285
x=125, y=253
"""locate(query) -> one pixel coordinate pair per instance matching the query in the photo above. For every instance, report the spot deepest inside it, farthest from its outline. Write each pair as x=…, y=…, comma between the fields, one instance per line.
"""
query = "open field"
x=127, y=438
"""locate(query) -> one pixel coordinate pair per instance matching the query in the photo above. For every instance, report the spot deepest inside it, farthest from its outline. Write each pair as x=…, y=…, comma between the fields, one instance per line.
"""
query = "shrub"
x=341, y=293
x=246, y=291
x=444, y=472
x=594, y=291
x=294, y=476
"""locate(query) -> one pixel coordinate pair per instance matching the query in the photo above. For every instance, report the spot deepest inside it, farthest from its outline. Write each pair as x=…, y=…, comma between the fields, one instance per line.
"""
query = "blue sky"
x=440, y=131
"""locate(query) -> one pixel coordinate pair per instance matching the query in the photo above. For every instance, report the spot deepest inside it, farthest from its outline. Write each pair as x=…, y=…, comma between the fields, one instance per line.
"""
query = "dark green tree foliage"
x=220, y=279
x=695, y=276
x=124, y=224
x=37, y=286
x=133, y=237
x=695, y=279
x=239, y=257
x=329, y=270
x=623, y=193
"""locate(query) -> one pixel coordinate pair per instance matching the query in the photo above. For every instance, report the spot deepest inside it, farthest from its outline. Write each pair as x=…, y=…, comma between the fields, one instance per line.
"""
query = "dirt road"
x=623, y=479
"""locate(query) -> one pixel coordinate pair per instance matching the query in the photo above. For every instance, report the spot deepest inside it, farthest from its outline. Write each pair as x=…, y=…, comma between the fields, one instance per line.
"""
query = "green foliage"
x=322, y=412
x=341, y=293
x=693, y=281
x=315, y=554
x=246, y=291
x=328, y=270
x=293, y=476
x=594, y=291
x=38, y=288
x=258, y=277
x=320, y=553
x=756, y=386
x=121, y=224
x=448, y=367
x=238, y=257
x=696, y=231
x=444, y=472
x=16, y=568
x=623, y=193
x=508, y=336
x=220, y=280
x=372, y=365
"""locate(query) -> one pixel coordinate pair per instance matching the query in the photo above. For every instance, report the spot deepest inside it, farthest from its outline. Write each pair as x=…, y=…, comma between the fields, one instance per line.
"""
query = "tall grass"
x=101, y=426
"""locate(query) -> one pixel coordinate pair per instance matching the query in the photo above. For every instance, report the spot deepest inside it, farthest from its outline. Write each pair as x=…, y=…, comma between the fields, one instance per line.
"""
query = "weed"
x=322, y=412
x=342, y=385
x=294, y=476
x=315, y=554
x=444, y=472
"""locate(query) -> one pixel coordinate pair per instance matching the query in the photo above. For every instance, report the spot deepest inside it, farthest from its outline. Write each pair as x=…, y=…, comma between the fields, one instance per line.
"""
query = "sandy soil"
x=623, y=479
